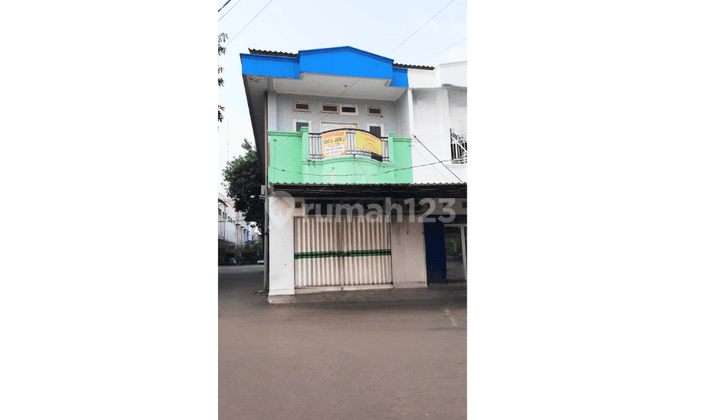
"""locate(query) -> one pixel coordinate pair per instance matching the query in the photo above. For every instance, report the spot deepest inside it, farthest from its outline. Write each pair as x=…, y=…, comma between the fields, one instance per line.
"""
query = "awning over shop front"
x=449, y=190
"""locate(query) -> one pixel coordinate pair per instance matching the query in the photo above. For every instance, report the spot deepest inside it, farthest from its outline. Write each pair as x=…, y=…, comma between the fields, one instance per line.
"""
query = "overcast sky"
x=376, y=26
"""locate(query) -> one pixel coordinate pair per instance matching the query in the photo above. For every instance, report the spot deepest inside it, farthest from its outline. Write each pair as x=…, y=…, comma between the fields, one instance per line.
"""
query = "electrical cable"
x=376, y=64
x=381, y=173
x=228, y=10
x=421, y=154
x=443, y=50
x=436, y=157
x=251, y=21
x=421, y=27
x=223, y=6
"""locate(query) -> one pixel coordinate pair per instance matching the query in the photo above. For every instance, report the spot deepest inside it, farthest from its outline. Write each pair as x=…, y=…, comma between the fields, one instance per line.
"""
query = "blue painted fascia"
x=346, y=49
x=345, y=61
x=400, y=77
x=271, y=66
x=337, y=61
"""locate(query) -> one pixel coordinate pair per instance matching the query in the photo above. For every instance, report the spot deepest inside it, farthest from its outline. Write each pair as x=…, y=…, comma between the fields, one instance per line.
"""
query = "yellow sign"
x=368, y=142
x=334, y=143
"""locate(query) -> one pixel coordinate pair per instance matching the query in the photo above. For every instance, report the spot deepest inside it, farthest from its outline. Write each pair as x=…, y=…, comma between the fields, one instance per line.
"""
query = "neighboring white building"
x=226, y=227
x=345, y=127
x=438, y=119
x=244, y=232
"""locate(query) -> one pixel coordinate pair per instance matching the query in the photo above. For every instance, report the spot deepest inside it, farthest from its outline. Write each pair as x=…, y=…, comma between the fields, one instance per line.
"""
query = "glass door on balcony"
x=327, y=126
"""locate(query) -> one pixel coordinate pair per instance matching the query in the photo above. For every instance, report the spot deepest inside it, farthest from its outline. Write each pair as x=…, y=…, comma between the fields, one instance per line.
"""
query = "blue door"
x=435, y=261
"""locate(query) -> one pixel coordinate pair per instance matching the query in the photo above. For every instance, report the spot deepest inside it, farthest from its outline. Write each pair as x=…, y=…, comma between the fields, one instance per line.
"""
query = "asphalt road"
x=378, y=359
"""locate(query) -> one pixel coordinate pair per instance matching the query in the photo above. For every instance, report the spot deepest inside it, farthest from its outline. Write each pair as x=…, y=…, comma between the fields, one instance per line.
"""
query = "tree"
x=243, y=179
x=221, y=51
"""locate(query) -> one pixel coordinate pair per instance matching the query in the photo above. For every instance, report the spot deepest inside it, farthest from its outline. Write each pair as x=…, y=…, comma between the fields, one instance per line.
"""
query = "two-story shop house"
x=365, y=168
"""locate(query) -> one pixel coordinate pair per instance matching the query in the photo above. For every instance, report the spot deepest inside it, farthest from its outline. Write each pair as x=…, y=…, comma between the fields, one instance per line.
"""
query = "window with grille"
x=458, y=147
x=301, y=106
x=374, y=111
x=348, y=110
x=330, y=108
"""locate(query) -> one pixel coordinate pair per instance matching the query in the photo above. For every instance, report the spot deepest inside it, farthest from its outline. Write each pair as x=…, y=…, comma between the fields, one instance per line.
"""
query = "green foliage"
x=250, y=251
x=221, y=51
x=243, y=179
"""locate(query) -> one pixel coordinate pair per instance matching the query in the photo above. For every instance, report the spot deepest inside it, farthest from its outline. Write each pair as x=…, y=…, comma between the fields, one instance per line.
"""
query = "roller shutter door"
x=342, y=251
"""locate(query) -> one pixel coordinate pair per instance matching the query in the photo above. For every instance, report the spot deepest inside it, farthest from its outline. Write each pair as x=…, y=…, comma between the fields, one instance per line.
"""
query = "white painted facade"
x=437, y=104
x=226, y=221
x=407, y=244
x=433, y=104
x=244, y=232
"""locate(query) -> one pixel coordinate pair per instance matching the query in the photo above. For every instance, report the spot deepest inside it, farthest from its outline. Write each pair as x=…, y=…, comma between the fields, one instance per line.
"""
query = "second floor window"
x=458, y=147
x=301, y=124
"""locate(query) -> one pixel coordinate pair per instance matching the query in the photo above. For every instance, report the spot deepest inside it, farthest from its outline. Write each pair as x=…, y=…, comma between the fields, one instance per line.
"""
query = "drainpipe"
x=265, y=239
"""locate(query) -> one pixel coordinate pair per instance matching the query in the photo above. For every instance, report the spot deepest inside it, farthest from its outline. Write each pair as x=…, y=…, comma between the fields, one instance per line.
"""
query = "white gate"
x=342, y=251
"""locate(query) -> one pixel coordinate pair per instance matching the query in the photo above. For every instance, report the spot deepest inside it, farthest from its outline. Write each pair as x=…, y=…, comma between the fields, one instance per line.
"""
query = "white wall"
x=457, y=101
x=272, y=112
x=286, y=115
x=435, y=112
x=282, y=247
x=408, y=254
x=452, y=74
x=439, y=103
x=407, y=247
x=430, y=114
x=404, y=112
x=226, y=231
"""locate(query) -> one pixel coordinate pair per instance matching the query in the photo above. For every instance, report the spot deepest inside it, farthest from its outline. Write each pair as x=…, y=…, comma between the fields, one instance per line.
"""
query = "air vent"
x=375, y=111
x=329, y=108
x=301, y=106
x=349, y=110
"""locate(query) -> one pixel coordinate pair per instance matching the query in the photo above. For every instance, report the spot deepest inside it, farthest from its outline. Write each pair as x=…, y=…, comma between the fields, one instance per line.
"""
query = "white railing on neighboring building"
x=458, y=147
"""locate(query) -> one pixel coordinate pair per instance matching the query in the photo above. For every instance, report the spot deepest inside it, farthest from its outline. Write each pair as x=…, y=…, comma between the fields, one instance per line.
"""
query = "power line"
x=346, y=175
x=223, y=6
x=443, y=51
x=373, y=67
x=436, y=158
x=414, y=145
x=228, y=10
x=251, y=21
x=411, y=35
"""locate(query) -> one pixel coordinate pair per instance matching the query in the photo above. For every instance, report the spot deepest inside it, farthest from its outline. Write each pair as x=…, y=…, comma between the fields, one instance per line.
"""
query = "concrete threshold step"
x=432, y=293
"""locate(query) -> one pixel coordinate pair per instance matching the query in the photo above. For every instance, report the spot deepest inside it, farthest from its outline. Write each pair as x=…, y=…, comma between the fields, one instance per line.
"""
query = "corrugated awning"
x=450, y=190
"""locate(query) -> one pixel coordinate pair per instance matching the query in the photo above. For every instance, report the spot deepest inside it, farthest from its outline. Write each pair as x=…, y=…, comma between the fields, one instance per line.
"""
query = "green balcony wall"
x=289, y=163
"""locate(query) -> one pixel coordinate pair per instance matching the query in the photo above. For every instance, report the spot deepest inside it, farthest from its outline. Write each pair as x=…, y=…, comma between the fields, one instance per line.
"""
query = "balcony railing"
x=316, y=148
x=458, y=147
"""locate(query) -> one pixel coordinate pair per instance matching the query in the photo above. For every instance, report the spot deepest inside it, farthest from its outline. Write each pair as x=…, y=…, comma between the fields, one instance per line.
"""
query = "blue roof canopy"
x=338, y=61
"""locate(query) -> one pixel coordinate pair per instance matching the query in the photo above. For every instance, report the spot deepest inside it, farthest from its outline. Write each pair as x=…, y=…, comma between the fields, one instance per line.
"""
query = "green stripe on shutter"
x=332, y=254
x=367, y=253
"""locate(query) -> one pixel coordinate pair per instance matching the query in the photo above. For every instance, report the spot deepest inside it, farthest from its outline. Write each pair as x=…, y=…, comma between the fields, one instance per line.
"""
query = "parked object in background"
x=227, y=261
x=250, y=253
